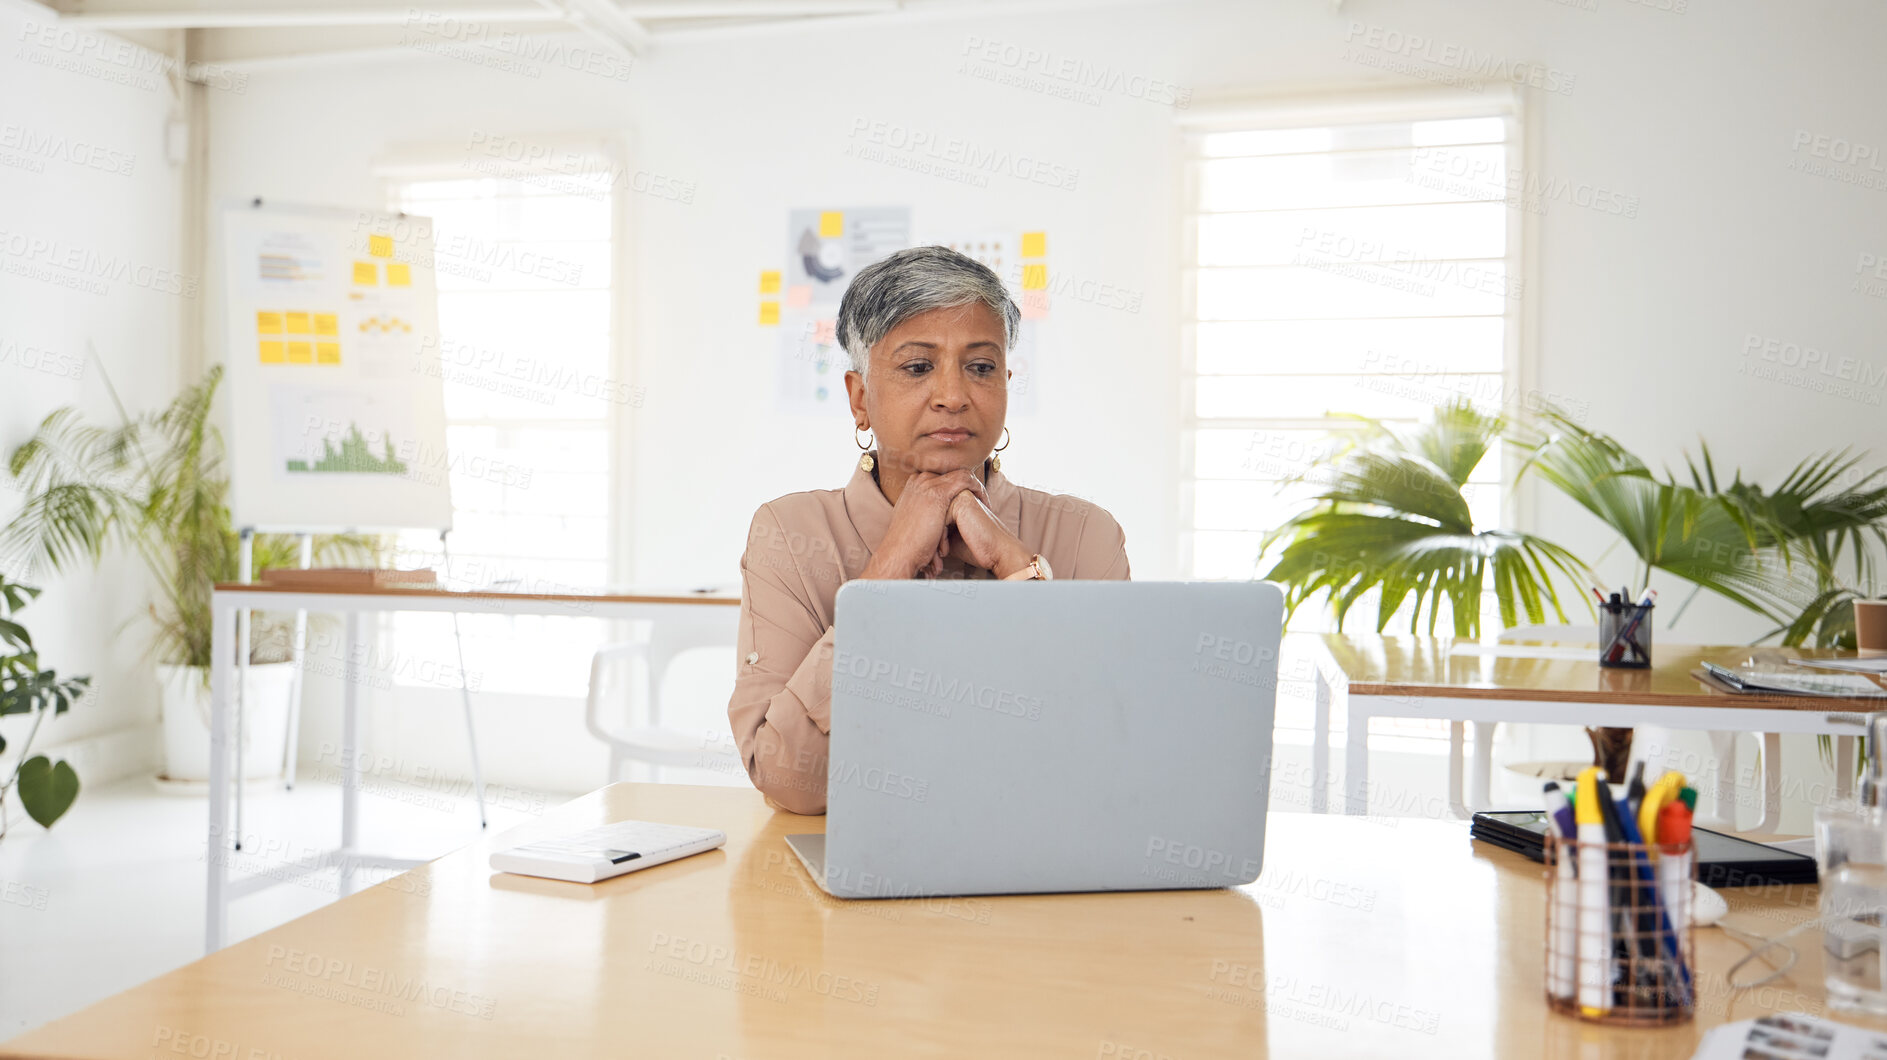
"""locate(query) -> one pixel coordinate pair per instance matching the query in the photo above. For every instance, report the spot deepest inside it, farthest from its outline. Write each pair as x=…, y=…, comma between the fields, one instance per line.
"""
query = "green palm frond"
x=1391, y=517
x=1775, y=552
x=157, y=485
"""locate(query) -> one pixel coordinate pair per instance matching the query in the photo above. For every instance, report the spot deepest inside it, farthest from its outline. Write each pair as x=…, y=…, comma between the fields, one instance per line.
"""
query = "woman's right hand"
x=919, y=535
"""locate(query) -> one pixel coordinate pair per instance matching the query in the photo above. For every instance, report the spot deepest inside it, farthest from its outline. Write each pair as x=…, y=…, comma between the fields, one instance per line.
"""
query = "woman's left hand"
x=978, y=538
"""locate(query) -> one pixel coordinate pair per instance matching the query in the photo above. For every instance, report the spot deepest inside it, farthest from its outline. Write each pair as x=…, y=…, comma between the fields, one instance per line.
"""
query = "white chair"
x=1722, y=744
x=652, y=743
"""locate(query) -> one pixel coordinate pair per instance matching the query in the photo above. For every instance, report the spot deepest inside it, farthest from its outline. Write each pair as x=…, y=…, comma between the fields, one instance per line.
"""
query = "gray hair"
x=886, y=293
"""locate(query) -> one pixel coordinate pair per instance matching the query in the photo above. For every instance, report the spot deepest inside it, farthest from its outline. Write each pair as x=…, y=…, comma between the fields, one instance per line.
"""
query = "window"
x=526, y=318
x=1361, y=262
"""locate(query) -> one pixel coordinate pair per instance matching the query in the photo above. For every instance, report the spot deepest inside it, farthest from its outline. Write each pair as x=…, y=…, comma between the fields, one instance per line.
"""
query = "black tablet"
x=1722, y=860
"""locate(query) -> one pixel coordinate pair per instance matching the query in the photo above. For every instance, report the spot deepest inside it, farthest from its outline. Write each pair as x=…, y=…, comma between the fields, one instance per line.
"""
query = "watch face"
x=1041, y=568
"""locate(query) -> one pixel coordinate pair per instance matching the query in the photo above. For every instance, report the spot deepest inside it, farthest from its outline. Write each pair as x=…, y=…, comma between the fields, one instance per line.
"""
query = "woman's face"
x=938, y=390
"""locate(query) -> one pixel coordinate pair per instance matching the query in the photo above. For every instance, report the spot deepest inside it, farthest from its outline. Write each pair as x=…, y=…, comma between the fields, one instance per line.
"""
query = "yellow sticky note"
x=769, y=312
x=366, y=272
x=300, y=353
x=1034, y=244
x=297, y=323
x=271, y=352
x=399, y=274
x=769, y=281
x=831, y=224
x=1035, y=277
x=326, y=324
x=327, y=353
x=380, y=246
x=268, y=323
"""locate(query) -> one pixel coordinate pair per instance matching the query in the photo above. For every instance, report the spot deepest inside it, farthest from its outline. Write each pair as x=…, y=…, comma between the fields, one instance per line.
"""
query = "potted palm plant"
x=1392, y=517
x=1778, y=553
x=155, y=484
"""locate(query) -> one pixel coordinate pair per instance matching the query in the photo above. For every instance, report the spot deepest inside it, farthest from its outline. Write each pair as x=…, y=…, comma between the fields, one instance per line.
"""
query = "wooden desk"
x=1360, y=939
x=1468, y=681
x=230, y=603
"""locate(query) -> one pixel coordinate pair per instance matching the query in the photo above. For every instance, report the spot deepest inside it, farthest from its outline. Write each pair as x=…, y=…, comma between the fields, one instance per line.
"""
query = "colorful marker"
x=1595, y=928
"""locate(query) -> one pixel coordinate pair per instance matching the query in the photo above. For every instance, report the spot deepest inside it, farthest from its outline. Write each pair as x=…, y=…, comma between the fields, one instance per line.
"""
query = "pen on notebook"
x=1595, y=932
x=1563, y=914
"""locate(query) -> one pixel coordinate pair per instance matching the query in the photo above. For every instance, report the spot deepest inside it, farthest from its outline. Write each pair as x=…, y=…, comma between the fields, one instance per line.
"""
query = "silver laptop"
x=1016, y=738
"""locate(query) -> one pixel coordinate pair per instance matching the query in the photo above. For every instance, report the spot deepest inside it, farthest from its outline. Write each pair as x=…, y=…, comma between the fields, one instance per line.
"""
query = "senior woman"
x=928, y=332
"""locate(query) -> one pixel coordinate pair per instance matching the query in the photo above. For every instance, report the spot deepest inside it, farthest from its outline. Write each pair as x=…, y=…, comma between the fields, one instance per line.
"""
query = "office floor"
x=112, y=895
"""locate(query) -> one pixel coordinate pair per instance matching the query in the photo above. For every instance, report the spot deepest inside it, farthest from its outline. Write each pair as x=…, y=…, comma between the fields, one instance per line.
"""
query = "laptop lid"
x=997, y=737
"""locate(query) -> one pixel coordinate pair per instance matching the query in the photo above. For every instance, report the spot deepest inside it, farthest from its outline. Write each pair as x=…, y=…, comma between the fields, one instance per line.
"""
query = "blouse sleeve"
x=1102, y=550
x=781, y=708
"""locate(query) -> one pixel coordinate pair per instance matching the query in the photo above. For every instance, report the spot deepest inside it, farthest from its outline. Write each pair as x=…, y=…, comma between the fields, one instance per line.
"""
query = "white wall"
x=89, y=255
x=1692, y=113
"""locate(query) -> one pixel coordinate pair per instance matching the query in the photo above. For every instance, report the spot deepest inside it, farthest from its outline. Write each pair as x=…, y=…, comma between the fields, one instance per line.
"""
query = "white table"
x=227, y=599
x=1367, y=677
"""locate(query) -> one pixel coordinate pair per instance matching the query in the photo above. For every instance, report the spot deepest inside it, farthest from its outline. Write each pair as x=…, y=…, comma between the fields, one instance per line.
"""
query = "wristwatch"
x=1036, y=571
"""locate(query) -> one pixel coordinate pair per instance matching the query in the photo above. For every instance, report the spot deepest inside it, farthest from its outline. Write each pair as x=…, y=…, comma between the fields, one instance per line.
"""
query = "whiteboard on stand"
x=336, y=403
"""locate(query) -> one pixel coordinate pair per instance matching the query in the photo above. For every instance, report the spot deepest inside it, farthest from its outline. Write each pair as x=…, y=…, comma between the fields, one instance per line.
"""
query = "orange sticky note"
x=799, y=296
x=769, y=281
x=300, y=353
x=1034, y=305
x=326, y=324
x=825, y=332
x=1034, y=244
x=270, y=352
x=1035, y=277
x=399, y=274
x=297, y=323
x=327, y=353
x=831, y=224
x=380, y=246
x=268, y=323
x=367, y=273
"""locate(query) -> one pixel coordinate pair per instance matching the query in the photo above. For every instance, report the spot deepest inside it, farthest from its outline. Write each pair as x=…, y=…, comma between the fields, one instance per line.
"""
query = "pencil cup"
x=1619, y=946
x=1625, y=635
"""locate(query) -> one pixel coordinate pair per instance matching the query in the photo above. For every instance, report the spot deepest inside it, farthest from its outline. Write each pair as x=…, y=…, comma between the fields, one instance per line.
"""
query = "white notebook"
x=611, y=850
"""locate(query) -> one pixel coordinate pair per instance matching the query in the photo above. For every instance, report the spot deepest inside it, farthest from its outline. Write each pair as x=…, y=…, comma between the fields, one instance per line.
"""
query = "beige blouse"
x=800, y=549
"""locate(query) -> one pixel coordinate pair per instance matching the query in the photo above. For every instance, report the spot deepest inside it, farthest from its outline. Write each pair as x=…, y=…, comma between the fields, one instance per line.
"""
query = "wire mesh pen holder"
x=1621, y=951
x=1625, y=635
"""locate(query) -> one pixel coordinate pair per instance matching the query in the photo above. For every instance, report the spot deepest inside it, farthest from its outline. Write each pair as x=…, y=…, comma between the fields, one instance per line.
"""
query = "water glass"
x=1851, y=853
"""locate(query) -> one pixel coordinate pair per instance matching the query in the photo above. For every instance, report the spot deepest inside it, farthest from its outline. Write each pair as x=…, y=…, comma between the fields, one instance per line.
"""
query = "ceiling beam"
x=605, y=21
x=95, y=14
x=656, y=9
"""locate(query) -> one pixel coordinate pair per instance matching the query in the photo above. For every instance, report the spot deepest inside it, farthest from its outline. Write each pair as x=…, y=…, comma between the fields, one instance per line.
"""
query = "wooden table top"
x=1364, y=937
x=1436, y=666
x=720, y=597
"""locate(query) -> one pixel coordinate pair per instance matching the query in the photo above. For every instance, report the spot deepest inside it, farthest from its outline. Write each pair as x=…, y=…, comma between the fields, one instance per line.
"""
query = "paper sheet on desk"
x=1791, y=1036
x=1527, y=651
x=1866, y=664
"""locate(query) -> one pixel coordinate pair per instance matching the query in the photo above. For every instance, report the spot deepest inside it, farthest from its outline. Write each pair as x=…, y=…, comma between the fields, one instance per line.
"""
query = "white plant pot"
x=186, y=701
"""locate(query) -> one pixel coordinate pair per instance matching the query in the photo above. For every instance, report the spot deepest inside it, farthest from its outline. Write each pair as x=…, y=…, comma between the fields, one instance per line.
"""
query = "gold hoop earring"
x=865, y=461
x=995, y=461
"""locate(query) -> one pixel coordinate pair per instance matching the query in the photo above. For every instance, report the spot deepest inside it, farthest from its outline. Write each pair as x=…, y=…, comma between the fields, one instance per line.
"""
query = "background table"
x=229, y=598
x=1424, y=677
x=1362, y=938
